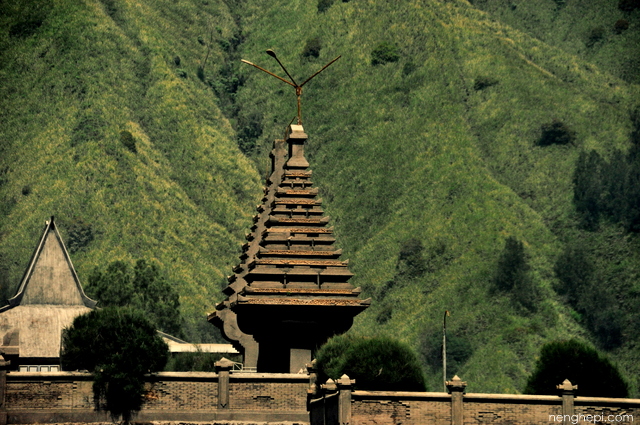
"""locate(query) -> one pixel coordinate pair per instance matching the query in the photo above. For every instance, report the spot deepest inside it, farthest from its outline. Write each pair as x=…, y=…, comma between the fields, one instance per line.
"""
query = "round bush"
x=580, y=364
x=375, y=363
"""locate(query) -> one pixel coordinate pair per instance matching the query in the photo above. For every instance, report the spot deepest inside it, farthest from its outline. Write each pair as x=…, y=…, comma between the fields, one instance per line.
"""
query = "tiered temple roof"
x=291, y=290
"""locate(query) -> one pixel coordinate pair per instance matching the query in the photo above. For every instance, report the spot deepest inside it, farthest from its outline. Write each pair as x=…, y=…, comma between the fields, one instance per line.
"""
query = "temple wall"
x=339, y=405
x=214, y=398
x=172, y=396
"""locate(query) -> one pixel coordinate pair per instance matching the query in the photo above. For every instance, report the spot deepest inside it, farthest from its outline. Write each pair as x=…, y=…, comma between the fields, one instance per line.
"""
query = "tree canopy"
x=143, y=287
x=379, y=363
x=118, y=346
x=594, y=374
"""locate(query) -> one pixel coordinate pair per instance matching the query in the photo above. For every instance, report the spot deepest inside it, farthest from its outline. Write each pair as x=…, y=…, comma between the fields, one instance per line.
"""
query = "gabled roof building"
x=291, y=290
x=49, y=298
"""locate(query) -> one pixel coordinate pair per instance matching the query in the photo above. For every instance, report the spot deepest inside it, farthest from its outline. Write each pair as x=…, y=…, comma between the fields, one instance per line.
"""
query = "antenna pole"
x=444, y=349
x=292, y=83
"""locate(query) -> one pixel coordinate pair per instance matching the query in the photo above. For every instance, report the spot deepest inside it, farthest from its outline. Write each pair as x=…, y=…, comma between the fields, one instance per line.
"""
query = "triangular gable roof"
x=50, y=278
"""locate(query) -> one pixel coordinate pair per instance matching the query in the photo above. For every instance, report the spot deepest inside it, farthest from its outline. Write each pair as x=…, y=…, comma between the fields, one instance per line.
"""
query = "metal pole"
x=444, y=349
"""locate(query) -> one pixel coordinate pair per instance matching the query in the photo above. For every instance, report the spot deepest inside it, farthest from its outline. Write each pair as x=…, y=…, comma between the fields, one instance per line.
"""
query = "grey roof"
x=49, y=298
x=50, y=277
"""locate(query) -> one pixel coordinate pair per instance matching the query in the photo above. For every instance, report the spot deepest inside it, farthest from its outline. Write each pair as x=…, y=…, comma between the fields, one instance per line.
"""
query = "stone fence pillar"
x=4, y=364
x=568, y=392
x=223, y=367
x=456, y=388
x=344, y=402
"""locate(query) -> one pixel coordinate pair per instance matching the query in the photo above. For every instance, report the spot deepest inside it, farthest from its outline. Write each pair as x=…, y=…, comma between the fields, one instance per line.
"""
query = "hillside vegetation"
x=444, y=142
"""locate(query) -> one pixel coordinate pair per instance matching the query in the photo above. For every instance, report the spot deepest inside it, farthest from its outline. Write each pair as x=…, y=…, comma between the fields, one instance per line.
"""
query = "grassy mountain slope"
x=85, y=73
x=412, y=149
x=603, y=32
x=436, y=145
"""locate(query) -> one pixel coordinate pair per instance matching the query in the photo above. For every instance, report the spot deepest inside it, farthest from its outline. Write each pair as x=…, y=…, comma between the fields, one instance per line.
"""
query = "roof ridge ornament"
x=296, y=86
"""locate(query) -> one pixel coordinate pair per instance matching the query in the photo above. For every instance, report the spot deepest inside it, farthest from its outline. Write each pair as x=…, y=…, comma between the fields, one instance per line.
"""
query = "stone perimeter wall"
x=382, y=408
x=278, y=398
x=336, y=403
x=173, y=396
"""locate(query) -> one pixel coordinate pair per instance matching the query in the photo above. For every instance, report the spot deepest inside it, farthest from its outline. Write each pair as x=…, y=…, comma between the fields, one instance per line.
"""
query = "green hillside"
x=135, y=124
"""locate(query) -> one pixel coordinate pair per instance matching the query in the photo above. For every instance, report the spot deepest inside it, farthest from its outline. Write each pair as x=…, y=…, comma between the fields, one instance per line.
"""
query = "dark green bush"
x=143, y=288
x=197, y=361
x=118, y=346
x=635, y=132
x=595, y=35
x=459, y=350
x=411, y=262
x=620, y=26
x=556, y=133
x=628, y=5
x=249, y=131
x=89, y=128
x=483, y=82
x=384, y=53
x=409, y=68
x=375, y=363
x=129, y=142
x=323, y=5
x=26, y=190
x=177, y=60
x=384, y=289
x=579, y=363
x=560, y=3
x=312, y=48
x=25, y=29
x=512, y=275
x=385, y=314
x=574, y=270
x=80, y=235
x=587, y=188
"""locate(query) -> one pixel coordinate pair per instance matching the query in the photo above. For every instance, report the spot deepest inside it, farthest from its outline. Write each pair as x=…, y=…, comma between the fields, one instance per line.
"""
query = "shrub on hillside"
x=620, y=26
x=582, y=365
x=128, y=141
x=635, y=129
x=513, y=275
x=483, y=82
x=249, y=131
x=323, y=5
x=595, y=35
x=384, y=53
x=89, y=128
x=379, y=363
x=628, y=5
x=556, y=133
x=459, y=350
x=312, y=48
x=574, y=270
x=411, y=262
x=80, y=235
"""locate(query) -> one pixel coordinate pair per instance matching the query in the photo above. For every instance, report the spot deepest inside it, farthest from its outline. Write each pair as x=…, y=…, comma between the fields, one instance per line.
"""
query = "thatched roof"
x=49, y=298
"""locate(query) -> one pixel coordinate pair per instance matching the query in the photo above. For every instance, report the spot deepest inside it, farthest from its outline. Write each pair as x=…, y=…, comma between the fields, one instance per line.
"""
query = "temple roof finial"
x=292, y=83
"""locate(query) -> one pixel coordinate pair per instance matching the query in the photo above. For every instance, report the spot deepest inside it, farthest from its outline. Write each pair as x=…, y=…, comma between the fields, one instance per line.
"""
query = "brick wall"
x=510, y=409
x=418, y=408
x=255, y=397
x=172, y=396
x=369, y=408
x=268, y=393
